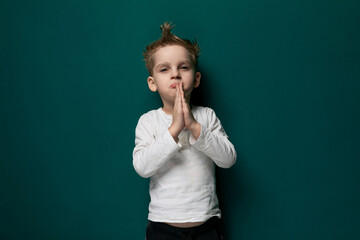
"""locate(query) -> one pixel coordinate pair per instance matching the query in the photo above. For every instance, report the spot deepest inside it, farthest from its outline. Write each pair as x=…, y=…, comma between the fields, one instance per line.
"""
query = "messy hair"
x=167, y=38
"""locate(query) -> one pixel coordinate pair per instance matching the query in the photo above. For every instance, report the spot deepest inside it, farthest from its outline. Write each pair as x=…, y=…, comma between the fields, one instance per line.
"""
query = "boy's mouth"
x=174, y=85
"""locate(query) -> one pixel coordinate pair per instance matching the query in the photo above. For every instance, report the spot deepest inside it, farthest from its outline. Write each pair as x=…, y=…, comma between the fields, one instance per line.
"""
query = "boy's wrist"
x=174, y=133
x=195, y=129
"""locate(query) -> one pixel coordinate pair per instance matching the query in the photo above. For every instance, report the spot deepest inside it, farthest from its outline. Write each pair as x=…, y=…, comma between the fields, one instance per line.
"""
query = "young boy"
x=177, y=146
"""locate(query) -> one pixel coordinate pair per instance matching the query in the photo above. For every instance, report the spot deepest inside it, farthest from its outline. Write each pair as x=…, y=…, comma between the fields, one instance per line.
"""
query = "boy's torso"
x=183, y=191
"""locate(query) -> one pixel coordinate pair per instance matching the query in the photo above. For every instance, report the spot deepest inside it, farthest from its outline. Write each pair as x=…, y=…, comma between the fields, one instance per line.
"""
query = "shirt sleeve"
x=151, y=152
x=214, y=142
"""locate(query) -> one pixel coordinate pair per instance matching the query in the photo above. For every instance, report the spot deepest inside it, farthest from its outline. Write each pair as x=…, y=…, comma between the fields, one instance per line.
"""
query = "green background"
x=283, y=77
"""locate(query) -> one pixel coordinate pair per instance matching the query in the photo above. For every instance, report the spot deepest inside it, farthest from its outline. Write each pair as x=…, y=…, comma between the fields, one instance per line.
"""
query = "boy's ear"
x=197, y=79
x=152, y=84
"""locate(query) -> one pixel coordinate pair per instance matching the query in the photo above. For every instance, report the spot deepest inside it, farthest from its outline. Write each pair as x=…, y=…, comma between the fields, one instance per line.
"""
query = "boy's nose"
x=175, y=75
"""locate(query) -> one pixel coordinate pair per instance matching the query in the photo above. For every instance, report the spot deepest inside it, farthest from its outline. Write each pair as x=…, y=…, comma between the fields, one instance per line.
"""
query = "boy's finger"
x=177, y=92
x=184, y=105
x=178, y=101
x=176, y=98
x=181, y=89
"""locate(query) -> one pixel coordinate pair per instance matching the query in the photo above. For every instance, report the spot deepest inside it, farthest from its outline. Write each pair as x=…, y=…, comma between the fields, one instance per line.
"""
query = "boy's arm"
x=149, y=153
x=214, y=142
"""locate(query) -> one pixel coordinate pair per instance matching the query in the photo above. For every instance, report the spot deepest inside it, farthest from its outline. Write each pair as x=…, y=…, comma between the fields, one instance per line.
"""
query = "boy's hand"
x=177, y=124
x=189, y=120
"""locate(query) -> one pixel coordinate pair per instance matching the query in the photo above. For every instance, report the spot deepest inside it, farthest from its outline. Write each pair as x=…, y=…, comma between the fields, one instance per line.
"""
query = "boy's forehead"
x=171, y=53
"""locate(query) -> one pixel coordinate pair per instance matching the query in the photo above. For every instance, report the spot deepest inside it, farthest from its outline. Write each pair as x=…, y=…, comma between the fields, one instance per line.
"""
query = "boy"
x=177, y=146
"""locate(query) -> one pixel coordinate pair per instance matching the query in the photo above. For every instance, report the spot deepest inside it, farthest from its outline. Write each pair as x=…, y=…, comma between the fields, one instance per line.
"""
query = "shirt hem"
x=185, y=220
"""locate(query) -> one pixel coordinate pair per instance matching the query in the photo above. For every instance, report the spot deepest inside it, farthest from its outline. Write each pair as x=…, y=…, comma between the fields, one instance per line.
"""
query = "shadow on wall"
x=197, y=96
x=230, y=192
x=228, y=183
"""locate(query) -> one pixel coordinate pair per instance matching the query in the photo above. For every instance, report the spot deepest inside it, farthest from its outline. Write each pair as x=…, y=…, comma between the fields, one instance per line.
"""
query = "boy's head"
x=172, y=60
x=166, y=39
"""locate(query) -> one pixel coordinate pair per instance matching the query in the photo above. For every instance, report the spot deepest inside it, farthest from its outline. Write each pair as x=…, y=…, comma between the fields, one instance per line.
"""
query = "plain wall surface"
x=282, y=76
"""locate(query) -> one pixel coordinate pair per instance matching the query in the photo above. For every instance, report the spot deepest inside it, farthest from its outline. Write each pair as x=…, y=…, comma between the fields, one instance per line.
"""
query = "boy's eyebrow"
x=161, y=64
x=166, y=63
x=186, y=61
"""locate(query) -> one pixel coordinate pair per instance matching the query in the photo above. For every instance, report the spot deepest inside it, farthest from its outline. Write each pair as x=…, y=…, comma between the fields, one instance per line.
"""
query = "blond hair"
x=167, y=38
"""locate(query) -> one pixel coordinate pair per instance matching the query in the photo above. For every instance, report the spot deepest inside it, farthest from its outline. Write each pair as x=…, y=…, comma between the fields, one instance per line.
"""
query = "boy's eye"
x=163, y=69
x=184, y=67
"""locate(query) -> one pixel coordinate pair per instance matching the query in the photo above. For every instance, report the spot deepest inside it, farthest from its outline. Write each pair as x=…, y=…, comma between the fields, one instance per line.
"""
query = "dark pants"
x=210, y=230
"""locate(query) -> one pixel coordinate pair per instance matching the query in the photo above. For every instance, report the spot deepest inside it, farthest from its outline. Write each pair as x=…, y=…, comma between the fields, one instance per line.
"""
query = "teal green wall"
x=283, y=76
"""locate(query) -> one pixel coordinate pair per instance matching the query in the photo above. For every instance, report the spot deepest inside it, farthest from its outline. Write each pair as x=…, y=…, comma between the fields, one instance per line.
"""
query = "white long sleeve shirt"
x=182, y=175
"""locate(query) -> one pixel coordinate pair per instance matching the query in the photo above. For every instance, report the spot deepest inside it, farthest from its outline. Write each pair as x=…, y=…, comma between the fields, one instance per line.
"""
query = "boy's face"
x=173, y=64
